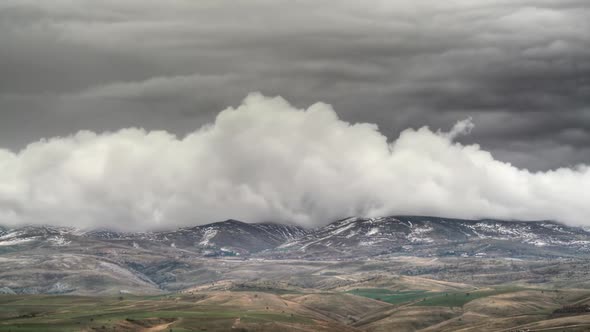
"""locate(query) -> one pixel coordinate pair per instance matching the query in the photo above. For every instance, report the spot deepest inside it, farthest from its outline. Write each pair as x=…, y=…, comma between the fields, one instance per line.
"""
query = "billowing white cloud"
x=269, y=161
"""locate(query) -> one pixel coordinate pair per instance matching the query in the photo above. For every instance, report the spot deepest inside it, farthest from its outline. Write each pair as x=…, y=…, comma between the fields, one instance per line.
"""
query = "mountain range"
x=49, y=259
x=350, y=237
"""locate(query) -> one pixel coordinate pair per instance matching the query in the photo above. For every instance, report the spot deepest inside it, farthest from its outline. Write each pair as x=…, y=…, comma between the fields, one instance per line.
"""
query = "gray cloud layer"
x=269, y=161
x=519, y=68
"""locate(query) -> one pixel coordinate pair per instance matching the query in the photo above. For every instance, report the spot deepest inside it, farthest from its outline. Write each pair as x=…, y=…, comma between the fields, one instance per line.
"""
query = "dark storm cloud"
x=520, y=69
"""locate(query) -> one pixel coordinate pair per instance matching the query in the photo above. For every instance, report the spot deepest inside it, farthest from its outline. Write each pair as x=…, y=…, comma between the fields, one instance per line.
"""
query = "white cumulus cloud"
x=269, y=161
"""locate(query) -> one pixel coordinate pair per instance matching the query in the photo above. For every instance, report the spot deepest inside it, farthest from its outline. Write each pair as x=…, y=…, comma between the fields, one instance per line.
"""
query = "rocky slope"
x=230, y=237
x=439, y=236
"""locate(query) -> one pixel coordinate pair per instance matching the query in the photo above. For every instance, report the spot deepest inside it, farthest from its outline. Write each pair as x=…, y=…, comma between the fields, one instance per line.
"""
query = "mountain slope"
x=351, y=237
x=229, y=237
x=438, y=236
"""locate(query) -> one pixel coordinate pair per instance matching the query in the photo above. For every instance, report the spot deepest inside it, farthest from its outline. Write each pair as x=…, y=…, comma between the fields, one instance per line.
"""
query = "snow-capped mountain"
x=230, y=237
x=438, y=236
x=52, y=235
x=351, y=237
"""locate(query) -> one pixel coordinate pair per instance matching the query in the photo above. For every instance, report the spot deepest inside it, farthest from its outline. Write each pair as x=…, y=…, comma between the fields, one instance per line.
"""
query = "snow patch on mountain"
x=373, y=231
x=59, y=241
x=417, y=235
x=207, y=236
x=13, y=241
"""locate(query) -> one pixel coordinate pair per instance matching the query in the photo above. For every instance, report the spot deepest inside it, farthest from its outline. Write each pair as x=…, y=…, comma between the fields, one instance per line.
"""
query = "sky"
x=127, y=113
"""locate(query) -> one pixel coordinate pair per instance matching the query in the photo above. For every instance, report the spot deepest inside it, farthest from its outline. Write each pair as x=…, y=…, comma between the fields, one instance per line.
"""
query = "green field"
x=389, y=296
x=74, y=313
x=460, y=299
x=305, y=312
x=425, y=298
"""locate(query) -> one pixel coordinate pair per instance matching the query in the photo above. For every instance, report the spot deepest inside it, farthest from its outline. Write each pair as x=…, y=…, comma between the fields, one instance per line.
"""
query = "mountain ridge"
x=352, y=236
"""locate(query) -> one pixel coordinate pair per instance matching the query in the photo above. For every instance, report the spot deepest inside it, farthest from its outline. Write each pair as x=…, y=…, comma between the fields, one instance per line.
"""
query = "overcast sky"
x=519, y=69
